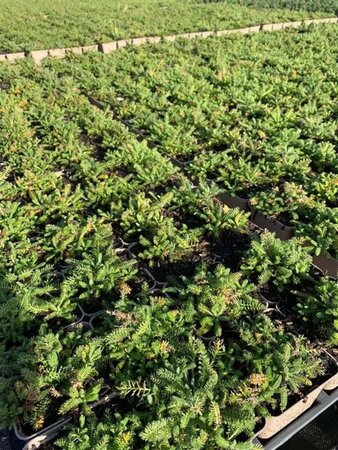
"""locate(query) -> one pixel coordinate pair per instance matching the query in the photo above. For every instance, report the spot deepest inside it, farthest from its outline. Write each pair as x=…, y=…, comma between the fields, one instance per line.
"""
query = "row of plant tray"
x=324, y=400
x=276, y=429
x=18, y=439
x=108, y=47
x=278, y=425
x=327, y=264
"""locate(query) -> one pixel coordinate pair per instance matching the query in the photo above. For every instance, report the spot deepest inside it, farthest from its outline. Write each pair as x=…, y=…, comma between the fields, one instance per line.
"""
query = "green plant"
x=290, y=198
x=111, y=166
x=216, y=299
x=325, y=187
x=113, y=431
x=321, y=308
x=321, y=231
x=58, y=369
x=279, y=262
x=199, y=200
x=72, y=26
x=285, y=360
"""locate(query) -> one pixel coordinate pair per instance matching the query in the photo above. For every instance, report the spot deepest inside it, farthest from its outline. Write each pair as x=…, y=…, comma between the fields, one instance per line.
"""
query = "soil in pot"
x=230, y=248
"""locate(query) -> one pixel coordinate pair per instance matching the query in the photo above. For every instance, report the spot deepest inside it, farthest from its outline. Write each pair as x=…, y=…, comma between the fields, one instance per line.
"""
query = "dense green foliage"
x=59, y=23
x=244, y=117
x=96, y=216
x=330, y=6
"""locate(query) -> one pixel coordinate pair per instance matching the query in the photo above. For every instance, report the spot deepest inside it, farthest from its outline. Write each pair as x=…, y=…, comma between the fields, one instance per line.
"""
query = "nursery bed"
x=128, y=275
x=63, y=24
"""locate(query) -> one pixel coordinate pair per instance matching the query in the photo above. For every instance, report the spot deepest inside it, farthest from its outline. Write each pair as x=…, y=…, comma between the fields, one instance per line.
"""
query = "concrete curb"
x=12, y=56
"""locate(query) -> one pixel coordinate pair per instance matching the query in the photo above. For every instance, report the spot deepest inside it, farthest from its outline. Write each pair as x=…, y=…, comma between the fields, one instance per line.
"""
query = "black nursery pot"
x=327, y=264
x=283, y=232
x=41, y=437
x=233, y=201
x=34, y=441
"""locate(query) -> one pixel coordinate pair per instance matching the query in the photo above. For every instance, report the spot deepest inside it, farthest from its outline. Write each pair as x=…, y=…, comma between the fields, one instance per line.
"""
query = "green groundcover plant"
x=62, y=24
x=278, y=262
x=122, y=274
x=320, y=307
x=307, y=5
x=259, y=124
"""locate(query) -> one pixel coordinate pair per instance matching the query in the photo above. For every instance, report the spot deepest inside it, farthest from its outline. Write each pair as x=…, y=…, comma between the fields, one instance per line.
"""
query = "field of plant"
x=329, y=6
x=134, y=302
x=60, y=23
